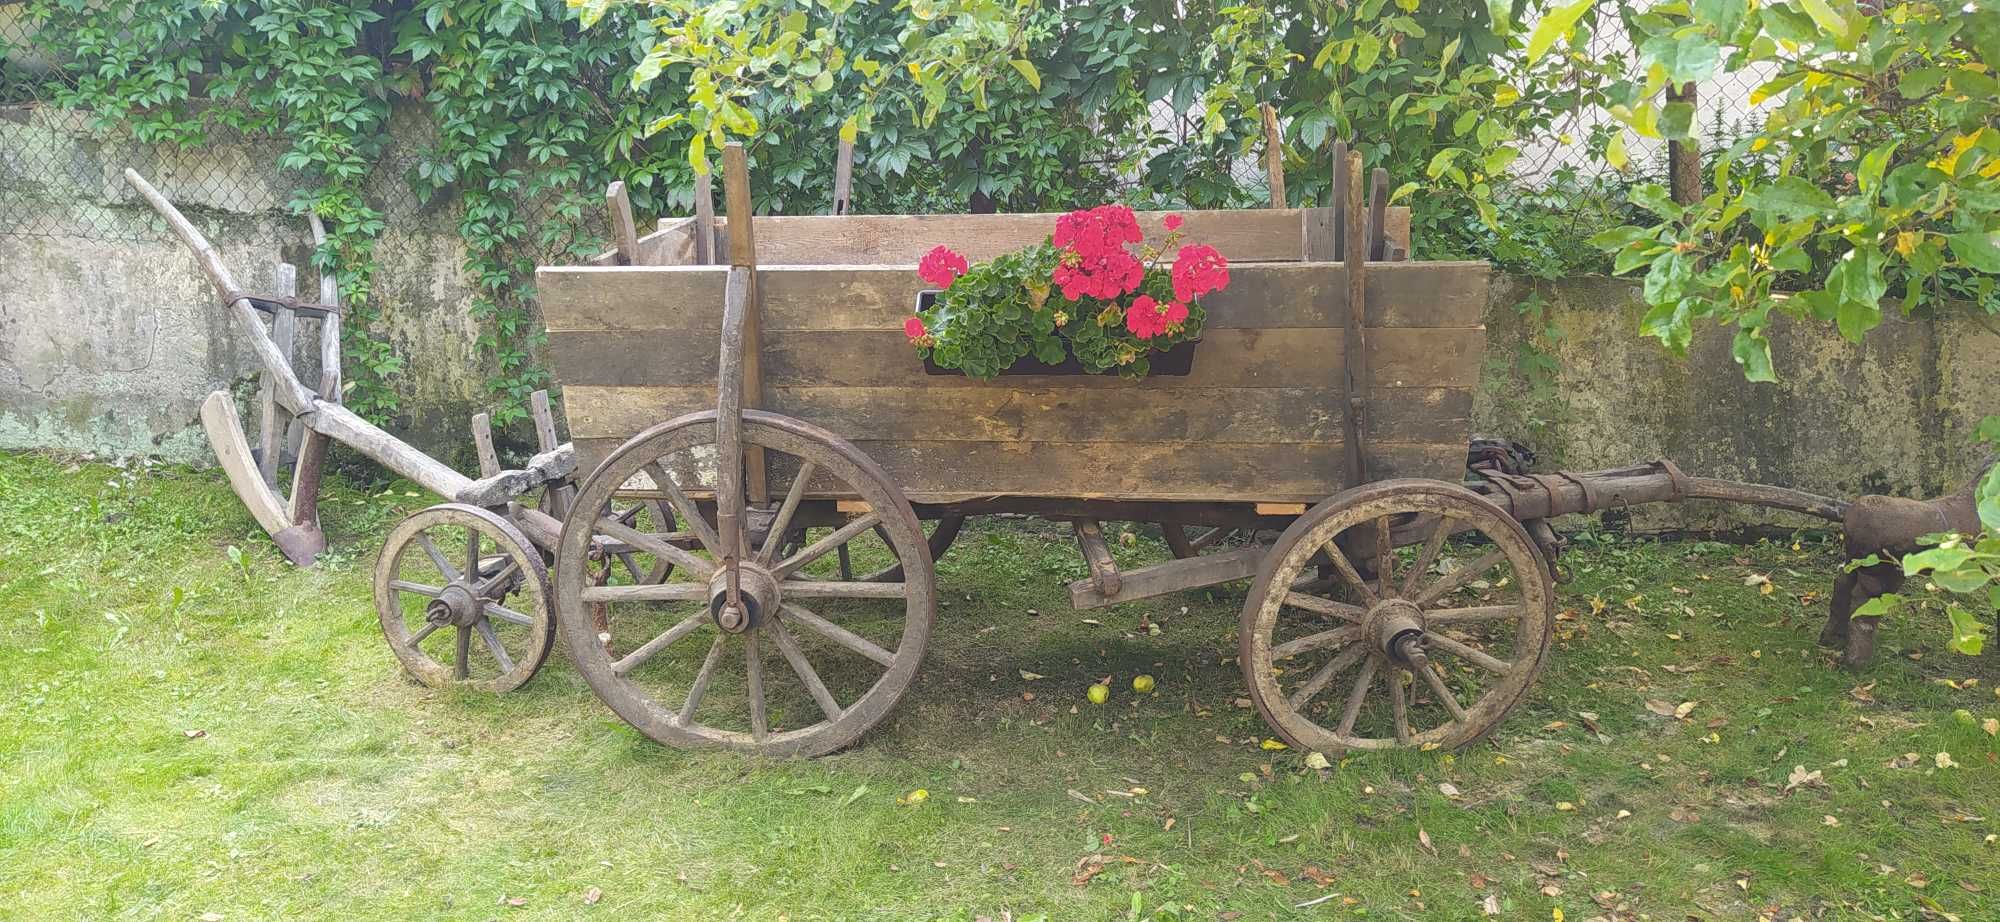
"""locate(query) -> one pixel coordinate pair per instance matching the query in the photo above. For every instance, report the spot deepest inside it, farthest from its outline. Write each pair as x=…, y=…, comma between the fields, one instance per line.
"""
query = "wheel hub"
x=1396, y=626
x=456, y=606
x=758, y=597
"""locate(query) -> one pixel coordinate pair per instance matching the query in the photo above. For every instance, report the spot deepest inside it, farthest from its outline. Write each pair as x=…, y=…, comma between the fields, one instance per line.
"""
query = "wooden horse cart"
x=738, y=546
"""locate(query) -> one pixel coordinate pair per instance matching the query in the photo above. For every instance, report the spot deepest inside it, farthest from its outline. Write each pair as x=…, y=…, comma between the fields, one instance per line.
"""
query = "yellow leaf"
x=1824, y=15
x=850, y=129
x=1028, y=72
x=1554, y=25
x=1506, y=95
x=1273, y=745
x=1908, y=241
x=1615, y=152
x=698, y=153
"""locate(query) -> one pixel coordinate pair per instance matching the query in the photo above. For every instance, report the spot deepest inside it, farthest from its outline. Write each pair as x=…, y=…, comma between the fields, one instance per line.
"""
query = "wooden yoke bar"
x=743, y=256
x=1355, y=340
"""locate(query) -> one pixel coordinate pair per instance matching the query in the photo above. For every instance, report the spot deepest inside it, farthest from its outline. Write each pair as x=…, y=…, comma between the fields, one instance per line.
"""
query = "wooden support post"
x=704, y=220
x=843, y=177
x=1274, y=156
x=1378, y=214
x=624, y=233
x=743, y=254
x=545, y=441
x=482, y=442
x=1355, y=388
x=1684, y=157
x=1103, y=569
x=329, y=326
x=1340, y=198
x=271, y=419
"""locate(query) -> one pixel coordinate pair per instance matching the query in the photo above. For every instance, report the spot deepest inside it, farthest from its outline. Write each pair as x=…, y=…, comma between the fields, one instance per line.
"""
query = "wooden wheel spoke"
x=753, y=679
x=1345, y=568
x=1399, y=706
x=1385, y=560
x=1319, y=680
x=658, y=548
x=1460, y=577
x=1357, y=697
x=651, y=592
x=429, y=592
x=686, y=510
x=632, y=567
x=423, y=632
x=802, y=667
x=1469, y=653
x=836, y=589
x=502, y=612
x=1428, y=555
x=1341, y=610
x=461, y=665
x=1443, y=693
x=837, y=538
x=444, y=566
x=838, y=634
x=666, y=639
x=701, y=679
x=1311, y=642
x=783, y=522
x=493, y=646
x=491, y=583
x=1468, y=615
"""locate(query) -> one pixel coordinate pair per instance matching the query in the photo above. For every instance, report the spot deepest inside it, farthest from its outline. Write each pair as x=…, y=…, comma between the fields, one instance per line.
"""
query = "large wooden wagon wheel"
x=807, y=662
x=463, y=599
x=1442, y=643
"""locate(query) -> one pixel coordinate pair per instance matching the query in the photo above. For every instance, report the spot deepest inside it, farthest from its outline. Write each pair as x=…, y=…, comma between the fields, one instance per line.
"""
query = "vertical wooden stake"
x=271, y=416
x=329, y=327
x=704, y=220
x=843, y=177
x=743, y=254
x=1378, y=214
x=624, y=234
x=1356, y=333
x=1274, y=156
x=1340, y=198
x=482, y=440
x=1684, y=157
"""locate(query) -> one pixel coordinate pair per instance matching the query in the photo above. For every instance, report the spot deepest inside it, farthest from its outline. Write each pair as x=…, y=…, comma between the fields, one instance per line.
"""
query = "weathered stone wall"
x=109, y=335
x=1894, y=413
x=109, y=342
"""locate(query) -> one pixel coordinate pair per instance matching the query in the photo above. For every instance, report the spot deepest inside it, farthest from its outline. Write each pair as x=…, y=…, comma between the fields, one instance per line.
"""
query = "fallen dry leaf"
x=1800, y=778
x=1490, y=905
x=1685, y=708
x=591, y=896
x=1424, y=839
x=1090, y=866
x=1943, y=760
x=1448, y=789
x=1662, y=708
x=1316, y=875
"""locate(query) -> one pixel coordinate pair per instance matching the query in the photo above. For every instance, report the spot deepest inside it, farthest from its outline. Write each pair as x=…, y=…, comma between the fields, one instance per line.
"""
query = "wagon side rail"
x=319, y=412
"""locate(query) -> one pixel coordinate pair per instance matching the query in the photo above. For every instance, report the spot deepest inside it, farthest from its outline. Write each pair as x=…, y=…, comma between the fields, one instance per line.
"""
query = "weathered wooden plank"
x=819, y=240
x=943, y=472
x=232, y=451
x=1274, y=156
x=624, y=235
x=869, y=358
x=1048, y=413
x=1439, y=294
x=1171, y=576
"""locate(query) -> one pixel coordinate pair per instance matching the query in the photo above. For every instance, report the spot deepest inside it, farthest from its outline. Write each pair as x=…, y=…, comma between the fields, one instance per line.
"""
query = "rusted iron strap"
x=271, y=304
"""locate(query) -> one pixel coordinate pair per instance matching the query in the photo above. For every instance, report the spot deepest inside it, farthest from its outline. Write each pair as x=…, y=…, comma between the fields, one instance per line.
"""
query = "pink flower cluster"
x=1095, y=262
x=941, y=266
x=1147, y=318
x=1198, y=270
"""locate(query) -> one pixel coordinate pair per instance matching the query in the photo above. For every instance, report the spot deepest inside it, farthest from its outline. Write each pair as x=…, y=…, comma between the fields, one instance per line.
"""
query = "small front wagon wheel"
x=463, y=599
x=1432, y=649
x=809, y=661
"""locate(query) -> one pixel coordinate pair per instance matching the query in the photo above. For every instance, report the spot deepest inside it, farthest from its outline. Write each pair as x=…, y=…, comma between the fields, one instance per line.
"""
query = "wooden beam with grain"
x=1355, y=339
x=743, y=256
x=1274, y=156
x=624, y=233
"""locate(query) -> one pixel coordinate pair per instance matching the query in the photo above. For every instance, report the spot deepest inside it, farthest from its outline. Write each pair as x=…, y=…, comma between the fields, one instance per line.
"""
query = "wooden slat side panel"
x=1259, y=235
x=1447, y=294
x=1262, y=415
x=935, y=472
x=1225, y=358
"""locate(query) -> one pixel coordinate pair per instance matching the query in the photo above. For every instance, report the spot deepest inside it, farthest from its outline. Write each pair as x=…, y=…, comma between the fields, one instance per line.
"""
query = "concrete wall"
x=109, y=335
x=109, y=343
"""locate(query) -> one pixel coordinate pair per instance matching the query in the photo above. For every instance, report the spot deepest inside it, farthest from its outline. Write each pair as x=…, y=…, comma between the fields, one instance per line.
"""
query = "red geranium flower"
x=1198, y=270
x=1173, y=222
x=1176, y=314
x=1095, y=262
x=914, y=329
x=941, y=266
x=1145, y=319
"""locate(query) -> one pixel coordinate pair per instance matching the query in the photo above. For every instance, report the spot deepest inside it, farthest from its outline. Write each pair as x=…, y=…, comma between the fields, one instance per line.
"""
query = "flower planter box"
x=1176, y=362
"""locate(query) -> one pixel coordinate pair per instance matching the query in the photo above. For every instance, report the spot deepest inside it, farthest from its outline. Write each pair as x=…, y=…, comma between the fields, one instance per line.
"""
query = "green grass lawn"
x=192, y=728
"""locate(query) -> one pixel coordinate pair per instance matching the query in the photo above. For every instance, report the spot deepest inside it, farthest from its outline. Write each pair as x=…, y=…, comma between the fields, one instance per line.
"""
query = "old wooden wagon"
x=772, y=471
x=750, y=380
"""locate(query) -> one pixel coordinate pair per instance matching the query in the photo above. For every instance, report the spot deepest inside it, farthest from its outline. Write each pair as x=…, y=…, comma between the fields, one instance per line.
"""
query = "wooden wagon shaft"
x=330, y=418
x=1542, y=496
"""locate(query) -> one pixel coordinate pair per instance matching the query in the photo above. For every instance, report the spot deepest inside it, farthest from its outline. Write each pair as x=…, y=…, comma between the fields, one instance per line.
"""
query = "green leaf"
x=1968, y=634
x=1823, y=14
x=698, y=153
x=1614, y=152
x=1028, y=72
x=1555, y=24
x=1978, y=249
x=1937, y=558
x=1887, y=603
x=1792, y=197
x=1656, y=199
x=1753, y=352
x=1367, y=49
x=1872, y=165
x=1966, y=580
x=1677, y=120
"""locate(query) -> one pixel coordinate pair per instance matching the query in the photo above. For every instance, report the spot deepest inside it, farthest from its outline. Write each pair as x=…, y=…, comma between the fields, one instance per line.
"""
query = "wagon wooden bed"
x=746, y=563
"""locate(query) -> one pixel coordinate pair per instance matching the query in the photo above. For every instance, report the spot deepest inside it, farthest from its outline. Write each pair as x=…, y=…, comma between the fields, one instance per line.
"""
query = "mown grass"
x=188, y=733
